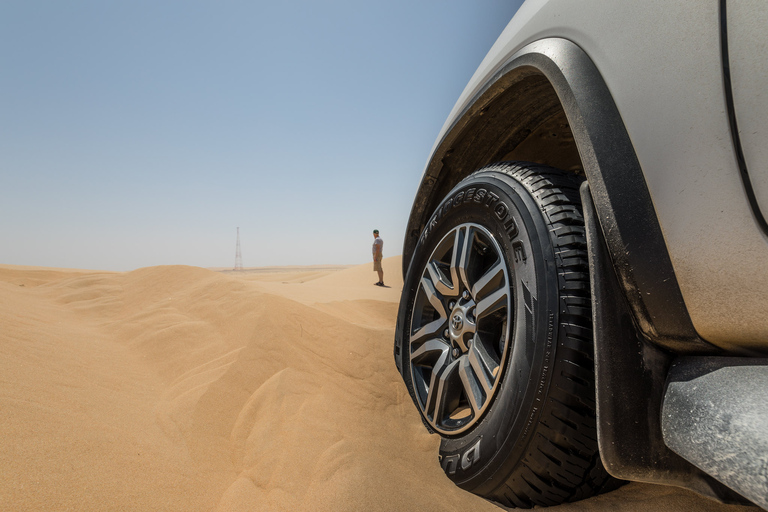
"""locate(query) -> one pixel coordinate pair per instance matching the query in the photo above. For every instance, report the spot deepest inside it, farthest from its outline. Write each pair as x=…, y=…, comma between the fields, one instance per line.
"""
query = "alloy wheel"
x=459, y=335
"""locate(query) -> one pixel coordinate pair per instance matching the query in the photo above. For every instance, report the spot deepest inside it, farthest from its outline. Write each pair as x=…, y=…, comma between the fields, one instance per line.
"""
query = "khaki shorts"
x=377, y=266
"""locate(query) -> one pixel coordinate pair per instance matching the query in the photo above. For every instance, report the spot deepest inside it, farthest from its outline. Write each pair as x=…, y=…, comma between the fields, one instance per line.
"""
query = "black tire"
x=511, y=392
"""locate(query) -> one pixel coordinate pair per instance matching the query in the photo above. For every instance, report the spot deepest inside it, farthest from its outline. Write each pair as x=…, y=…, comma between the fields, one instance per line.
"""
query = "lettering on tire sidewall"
x=480, y=195
x=463, y=460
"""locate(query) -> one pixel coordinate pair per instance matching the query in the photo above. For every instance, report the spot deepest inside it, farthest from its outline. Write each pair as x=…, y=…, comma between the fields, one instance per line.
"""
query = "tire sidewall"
x=511, y=214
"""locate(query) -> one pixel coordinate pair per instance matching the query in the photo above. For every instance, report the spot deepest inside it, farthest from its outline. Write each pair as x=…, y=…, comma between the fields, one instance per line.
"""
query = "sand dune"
x=183, y=389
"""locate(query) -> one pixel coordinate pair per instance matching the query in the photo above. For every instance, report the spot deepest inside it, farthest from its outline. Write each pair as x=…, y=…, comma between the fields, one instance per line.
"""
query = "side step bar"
x=715, y=415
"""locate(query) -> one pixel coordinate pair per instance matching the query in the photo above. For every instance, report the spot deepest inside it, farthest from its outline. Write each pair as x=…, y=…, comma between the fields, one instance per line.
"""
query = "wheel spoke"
x=431, y=329
x=492, y=303
x=430, y=352
x=433, y=297
x=440, y=285
x=461, y=254
x=440, y=396
x=428, y=331
x=490, y=279
x=472, y=389
x=483, y=364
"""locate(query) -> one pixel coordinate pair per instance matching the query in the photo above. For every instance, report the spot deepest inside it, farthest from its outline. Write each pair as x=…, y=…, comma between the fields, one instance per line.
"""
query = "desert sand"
x=184, y=389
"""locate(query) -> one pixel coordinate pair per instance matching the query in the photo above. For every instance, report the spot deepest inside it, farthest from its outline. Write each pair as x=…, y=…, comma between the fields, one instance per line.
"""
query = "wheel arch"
x=551, y=91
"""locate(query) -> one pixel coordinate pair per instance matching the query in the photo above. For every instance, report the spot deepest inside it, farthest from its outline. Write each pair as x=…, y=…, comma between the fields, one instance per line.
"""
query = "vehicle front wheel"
x=496, y=338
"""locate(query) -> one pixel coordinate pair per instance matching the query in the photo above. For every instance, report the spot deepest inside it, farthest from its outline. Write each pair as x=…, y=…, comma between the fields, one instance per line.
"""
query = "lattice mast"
x=238, y=256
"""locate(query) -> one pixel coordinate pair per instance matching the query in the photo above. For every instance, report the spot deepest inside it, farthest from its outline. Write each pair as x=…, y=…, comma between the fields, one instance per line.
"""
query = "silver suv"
x=586, y=259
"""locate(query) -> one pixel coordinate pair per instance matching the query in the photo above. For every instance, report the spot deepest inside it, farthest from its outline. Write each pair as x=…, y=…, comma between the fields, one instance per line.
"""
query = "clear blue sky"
x=142, y=133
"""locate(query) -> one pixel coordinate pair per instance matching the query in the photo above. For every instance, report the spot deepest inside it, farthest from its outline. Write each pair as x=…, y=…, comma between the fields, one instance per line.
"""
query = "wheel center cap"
x=457, y=322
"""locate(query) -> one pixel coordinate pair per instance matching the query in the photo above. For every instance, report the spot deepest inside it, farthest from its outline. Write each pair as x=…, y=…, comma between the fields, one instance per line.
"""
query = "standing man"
x=378, y=249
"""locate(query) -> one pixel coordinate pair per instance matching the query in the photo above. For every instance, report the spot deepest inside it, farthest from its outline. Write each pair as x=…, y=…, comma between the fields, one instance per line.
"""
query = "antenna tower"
x=238, y=256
